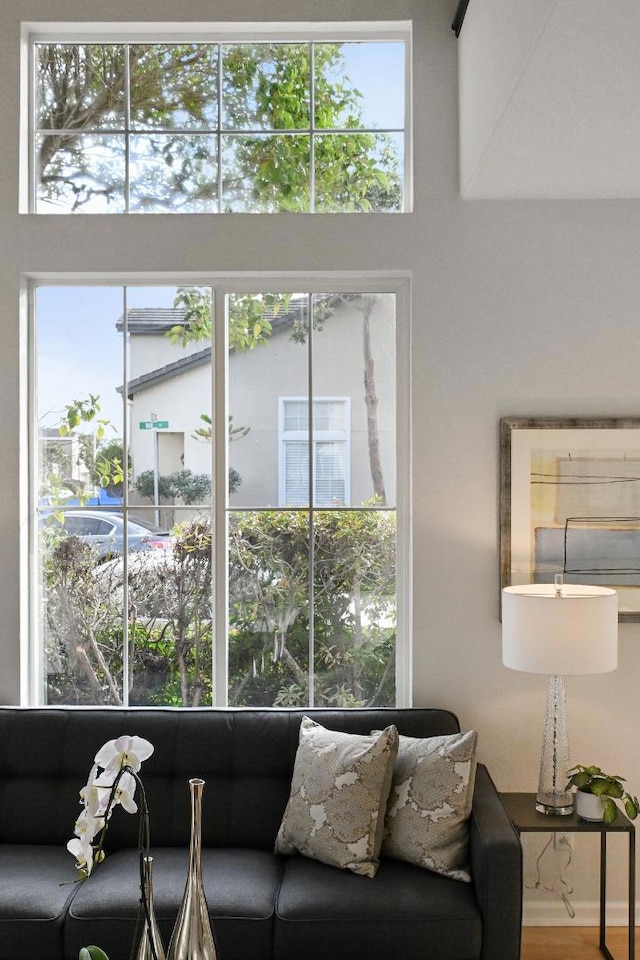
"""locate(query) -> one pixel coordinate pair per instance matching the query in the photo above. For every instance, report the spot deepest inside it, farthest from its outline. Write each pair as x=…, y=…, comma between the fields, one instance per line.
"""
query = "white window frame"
x=102, y=32
x=317, y=436
x=223, y=285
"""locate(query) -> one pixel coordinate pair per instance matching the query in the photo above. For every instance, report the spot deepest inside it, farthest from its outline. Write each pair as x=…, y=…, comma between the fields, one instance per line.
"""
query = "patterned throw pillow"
x=339, y=793
x=430, y=803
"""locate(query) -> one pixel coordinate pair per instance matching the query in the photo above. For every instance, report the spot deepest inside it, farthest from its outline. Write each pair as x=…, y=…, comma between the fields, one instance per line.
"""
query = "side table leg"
x=632, y=894
x=603, y=894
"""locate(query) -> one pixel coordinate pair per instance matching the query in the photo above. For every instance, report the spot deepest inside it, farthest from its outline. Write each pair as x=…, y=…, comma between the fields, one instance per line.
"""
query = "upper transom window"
x=221, y=125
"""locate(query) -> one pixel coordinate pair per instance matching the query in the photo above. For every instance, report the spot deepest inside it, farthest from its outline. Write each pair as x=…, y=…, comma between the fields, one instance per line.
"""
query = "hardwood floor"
x=573, y=943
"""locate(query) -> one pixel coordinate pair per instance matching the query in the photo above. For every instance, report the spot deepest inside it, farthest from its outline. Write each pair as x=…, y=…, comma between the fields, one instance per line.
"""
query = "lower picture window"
x=214, y=496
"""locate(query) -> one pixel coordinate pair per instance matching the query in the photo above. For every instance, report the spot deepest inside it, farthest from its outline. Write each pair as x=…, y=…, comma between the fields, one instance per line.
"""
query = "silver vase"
x=150, y=944
x=192, y=937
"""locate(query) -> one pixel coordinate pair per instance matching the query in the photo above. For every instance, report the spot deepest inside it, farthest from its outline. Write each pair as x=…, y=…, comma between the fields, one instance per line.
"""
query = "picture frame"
x=570, y=504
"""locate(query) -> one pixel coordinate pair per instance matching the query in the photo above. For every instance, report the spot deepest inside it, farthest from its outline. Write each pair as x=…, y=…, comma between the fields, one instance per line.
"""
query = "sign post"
x=155, y=425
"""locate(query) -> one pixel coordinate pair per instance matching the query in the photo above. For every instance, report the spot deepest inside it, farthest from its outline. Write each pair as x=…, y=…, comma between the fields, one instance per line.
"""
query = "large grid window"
x=219, y=126
x=167, y=570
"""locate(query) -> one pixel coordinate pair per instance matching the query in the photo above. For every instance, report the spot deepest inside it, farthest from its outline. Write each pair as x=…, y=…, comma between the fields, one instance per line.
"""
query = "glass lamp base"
x=552, y=797
x=554, y=810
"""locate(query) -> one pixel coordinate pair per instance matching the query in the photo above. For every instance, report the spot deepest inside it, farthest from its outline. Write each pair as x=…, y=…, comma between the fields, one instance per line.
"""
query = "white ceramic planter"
x=588, y=806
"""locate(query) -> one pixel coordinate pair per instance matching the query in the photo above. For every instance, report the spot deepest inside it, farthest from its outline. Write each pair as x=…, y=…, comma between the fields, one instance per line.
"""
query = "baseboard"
x=586, y=914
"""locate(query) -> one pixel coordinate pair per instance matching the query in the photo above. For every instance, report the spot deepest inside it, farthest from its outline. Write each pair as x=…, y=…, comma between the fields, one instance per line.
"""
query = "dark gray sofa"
x=264, y=907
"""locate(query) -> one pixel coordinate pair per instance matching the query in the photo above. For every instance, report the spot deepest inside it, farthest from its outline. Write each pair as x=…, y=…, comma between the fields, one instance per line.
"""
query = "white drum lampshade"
x=558, y=630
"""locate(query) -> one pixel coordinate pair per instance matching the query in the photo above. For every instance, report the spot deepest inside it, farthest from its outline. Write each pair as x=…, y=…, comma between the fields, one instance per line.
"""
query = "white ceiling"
x=550, y=98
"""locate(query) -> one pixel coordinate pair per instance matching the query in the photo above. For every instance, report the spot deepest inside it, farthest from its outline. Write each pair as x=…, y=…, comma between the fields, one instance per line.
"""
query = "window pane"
x=170, y=400
x=328, y=415
x=354, y=608
x=174, y=174
x=296, y=473
x=296, y=415
x=265, y=174
x=265, y=86
x=268, y=609
x=330, y=469
x=251, y=105
x=354, y=344
x=174, y=85
x=124, y=537
x=80, y=416
x=372, y=74
x=81, y=173
x=267, y=346
x=358, y=171
x=79, y=86
x=171, y=631
x=90, y=537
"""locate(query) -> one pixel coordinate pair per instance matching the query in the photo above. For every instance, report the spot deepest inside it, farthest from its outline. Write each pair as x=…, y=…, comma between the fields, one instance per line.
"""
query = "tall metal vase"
x=150, y=944
x=192, y=937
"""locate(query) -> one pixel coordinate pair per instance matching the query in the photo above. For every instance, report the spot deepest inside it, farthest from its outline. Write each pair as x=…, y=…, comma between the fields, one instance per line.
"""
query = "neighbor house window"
x=225, y=123
x=327, y=458
x=214, y=494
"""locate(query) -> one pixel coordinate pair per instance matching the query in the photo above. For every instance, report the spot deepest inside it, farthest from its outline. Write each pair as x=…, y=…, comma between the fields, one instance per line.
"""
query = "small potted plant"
x=597, y=792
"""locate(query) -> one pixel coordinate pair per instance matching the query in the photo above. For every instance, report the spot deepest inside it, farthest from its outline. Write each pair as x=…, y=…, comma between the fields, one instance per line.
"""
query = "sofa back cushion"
x=245, y=756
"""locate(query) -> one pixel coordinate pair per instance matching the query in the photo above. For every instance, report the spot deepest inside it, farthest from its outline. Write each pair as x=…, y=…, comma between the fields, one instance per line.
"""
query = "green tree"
x=187, y=486
x=109, y=467
x=265, y=87
x=353, y=613
x=169, y=617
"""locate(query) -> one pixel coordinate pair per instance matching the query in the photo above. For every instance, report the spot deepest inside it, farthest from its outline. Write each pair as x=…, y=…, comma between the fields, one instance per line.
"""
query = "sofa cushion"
x=241, y=888
x=405, y=912
x=430, y=803
x=339, y=792
x=37, y=884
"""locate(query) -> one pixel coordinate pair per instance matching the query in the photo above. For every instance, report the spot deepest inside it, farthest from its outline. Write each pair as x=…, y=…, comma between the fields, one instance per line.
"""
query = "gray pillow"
x=338, y=798
x=430, y=802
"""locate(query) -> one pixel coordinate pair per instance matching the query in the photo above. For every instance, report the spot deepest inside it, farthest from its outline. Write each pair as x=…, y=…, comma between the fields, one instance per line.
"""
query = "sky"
x=79, y=350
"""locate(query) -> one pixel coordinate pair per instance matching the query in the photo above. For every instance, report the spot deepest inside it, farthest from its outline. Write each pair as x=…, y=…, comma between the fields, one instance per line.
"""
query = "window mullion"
x=312, y=683
x=127, y=129
x=126, y=666
x=312, y=125
x=219, y=129
x=220, y=502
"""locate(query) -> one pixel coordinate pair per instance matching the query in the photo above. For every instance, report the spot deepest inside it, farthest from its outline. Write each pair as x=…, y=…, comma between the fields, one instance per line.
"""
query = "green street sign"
x=154, y=424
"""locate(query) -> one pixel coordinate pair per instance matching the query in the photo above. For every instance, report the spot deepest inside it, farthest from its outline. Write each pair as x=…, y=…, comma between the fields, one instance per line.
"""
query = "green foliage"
x=609, y=787
x=169, y=619
x=92, y=953
x=183, y=484
x=105, y=467
x=83, y=411
x=353, y=615
x=109, y=467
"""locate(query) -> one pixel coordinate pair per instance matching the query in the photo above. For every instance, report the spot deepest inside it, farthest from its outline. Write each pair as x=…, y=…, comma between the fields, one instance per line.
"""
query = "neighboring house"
x=173, y=386
x=63, y=454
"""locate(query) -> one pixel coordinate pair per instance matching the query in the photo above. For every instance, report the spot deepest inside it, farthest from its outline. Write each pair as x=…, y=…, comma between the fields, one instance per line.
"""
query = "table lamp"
x=558, y=629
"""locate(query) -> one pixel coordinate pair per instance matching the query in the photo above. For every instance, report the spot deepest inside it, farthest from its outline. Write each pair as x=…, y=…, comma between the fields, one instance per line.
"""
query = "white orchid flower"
x=82, y=850
x=112, y=781
x=123, y=793
x=95, y=797
x=87, y=827
x=124, y=752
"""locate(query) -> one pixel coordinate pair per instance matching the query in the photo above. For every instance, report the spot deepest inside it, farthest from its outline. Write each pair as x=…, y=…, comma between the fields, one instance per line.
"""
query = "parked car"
x=105, y=532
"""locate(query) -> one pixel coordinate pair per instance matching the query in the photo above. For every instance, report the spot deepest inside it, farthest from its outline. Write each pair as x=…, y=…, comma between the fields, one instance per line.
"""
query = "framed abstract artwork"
x=570, y=504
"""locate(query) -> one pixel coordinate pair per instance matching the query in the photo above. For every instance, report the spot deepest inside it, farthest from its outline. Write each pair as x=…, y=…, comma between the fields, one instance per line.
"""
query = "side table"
x=526, y=819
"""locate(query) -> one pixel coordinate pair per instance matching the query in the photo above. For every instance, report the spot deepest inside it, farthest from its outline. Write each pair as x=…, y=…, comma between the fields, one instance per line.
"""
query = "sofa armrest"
x=496, y=870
